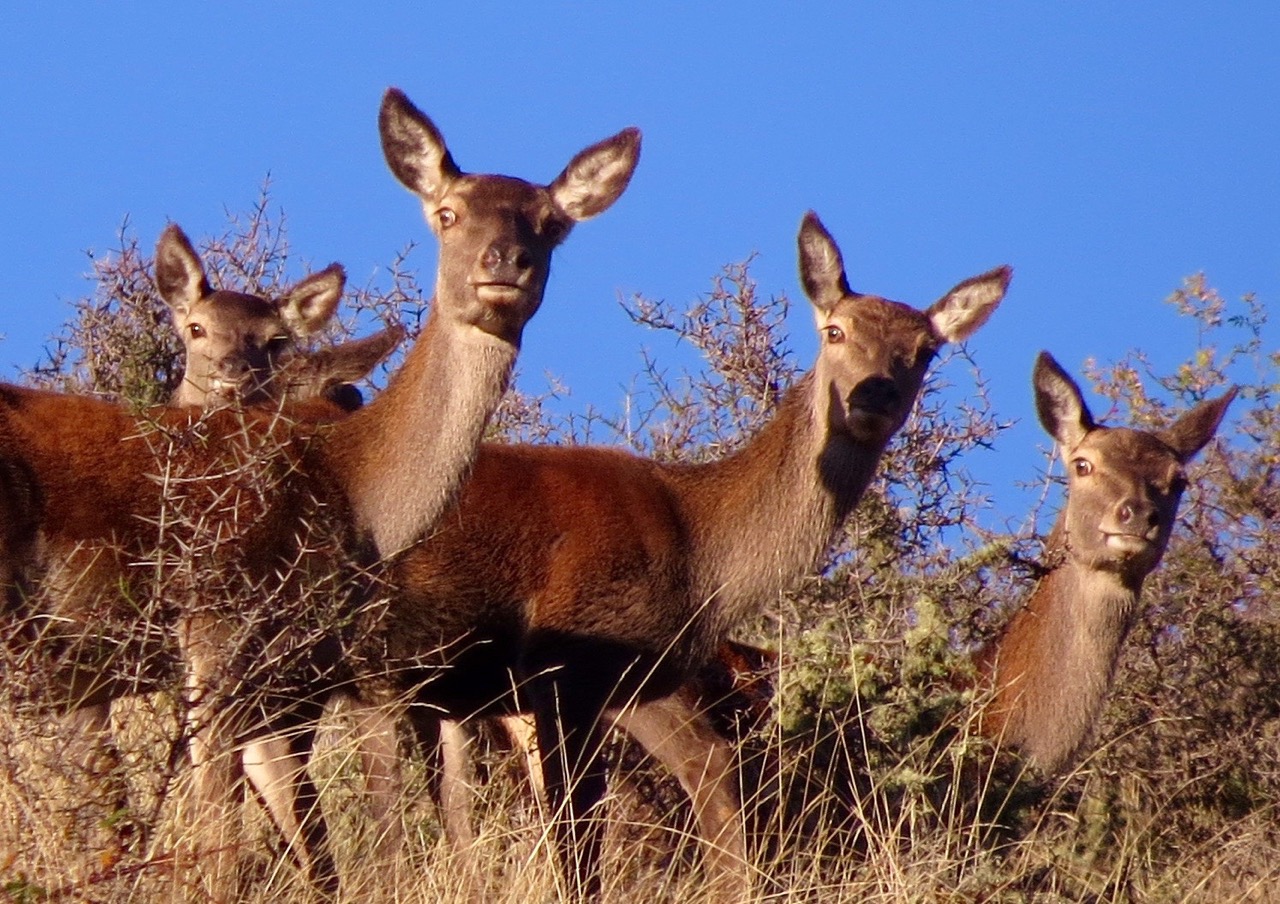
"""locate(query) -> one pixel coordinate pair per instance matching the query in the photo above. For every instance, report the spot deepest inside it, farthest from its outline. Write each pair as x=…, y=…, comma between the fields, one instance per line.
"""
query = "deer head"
x=1123, y=486
x=875, y=352
x=236, y=343
x=496, y=236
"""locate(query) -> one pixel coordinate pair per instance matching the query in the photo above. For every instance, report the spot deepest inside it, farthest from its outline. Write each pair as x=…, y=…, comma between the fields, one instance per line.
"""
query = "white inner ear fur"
x=966, y=309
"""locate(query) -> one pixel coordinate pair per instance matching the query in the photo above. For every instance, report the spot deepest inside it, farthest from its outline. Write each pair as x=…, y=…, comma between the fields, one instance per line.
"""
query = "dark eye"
x=196, y=330
x=834, y=334
x=278, y=343
x=447, y=217
x=1082, y=467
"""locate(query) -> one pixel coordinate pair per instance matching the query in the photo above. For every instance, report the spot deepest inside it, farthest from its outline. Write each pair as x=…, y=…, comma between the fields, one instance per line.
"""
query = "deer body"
x=281, y=504
x=1051, y=669
x=568, y=581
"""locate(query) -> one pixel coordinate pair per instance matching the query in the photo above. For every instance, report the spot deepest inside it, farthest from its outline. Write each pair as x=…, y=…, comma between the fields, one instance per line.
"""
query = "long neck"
x=762, y=517
x=402, y=457
x=1052, y=667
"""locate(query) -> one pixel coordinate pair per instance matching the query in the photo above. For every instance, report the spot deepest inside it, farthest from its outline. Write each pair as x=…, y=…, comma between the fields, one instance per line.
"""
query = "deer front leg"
x=276, y=765
x=216, y=766
x=682, y=738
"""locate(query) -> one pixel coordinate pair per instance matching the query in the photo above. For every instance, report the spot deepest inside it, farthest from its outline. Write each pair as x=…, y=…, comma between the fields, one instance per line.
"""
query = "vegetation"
x=866, y=782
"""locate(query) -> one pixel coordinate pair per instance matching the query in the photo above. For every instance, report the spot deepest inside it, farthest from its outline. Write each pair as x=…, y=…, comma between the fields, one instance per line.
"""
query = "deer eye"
x=834, y=334
x=196, y=330
x=1082, y=467
x=447, y=217
x=278, y=343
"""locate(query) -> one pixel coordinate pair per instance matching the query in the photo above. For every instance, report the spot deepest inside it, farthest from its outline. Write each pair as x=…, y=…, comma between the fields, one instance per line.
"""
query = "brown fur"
x=278, y=502
x=568, y=581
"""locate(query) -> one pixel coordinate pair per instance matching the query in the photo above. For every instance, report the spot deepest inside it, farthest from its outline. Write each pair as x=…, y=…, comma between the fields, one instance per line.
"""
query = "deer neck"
x=761, y=517
x=1052, y=667
x=403, y=456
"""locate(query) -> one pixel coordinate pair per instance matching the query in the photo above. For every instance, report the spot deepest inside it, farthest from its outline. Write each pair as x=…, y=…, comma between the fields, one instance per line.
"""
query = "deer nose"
x=1135, y=513
x=505, y=261
x=877, y=394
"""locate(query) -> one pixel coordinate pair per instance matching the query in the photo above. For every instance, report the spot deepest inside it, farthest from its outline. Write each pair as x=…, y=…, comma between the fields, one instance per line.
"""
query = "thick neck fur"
x=763, y=516
x=404, y=455
x=1052, y=667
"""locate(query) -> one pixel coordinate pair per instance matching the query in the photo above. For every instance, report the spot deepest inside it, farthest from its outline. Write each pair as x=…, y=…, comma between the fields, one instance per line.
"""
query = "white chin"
x=499, y=294
x=1127, y=543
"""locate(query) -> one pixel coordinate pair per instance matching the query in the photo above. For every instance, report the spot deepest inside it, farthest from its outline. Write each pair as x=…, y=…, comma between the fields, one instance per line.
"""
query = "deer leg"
x=276, y=765
x=377, y=742
x=215, y=780
x=457, y=781
x=682, y=738
x=567, y=712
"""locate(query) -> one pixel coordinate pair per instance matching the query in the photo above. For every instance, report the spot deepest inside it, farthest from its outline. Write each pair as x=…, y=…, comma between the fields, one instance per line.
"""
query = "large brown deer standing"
x=1050, y=670
x=275, y=502
x=1052, y=667
x=571, y=581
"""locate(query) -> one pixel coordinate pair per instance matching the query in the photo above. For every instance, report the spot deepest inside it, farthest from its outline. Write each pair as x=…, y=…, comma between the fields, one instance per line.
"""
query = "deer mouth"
x=499, y=292
x=1127, y=544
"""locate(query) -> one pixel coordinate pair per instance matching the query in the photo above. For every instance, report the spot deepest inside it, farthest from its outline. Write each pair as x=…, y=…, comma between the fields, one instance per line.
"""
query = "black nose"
x=876, y=394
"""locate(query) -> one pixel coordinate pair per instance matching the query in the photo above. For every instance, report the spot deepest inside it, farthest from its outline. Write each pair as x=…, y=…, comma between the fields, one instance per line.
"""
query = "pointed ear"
x=180, y=276
x=597, y=176
x=355, y=360
x=414, y=148
x=821, y=266
x=309, y=305
x=1061, y=407
x=959, y=313
x=1190, y=433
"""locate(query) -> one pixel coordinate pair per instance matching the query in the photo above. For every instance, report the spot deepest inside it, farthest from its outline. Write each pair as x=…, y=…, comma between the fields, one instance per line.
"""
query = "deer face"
x=236, y=343
x=1123, y=489
x=497, y=233
x=1123, y=486
x=875, y=352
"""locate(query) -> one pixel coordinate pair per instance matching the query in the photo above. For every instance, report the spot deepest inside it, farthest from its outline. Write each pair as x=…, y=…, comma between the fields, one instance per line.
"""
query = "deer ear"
x=1061, y=407
x=180, y=276
x=355, y=360
x=597, y=176
x=414, y=148
x=821, y=266
x=958, y=314
x=310, y=304
x=1190, y=433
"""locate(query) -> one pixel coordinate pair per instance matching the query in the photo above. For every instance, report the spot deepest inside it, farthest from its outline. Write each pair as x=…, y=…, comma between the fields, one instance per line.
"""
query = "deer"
x=1047, y=675
x=572, y=582
x=242, y=349
x=1050, y=670
x=98, y=498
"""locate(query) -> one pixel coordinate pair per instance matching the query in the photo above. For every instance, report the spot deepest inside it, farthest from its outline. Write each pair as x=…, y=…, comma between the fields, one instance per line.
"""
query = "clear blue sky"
x=1104, y=150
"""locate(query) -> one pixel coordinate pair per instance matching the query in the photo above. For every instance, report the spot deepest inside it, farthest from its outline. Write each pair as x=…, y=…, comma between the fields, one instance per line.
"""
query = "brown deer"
x=573, y=581
x=1052, y=667
x=236, y=343
x=282, y=505
x=240, y=349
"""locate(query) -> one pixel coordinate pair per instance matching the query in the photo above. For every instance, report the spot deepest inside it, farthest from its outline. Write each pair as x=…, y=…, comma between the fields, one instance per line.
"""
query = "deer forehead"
x=1132, y=456
x=495, y=198
x=235, y=313
x=894, y=329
